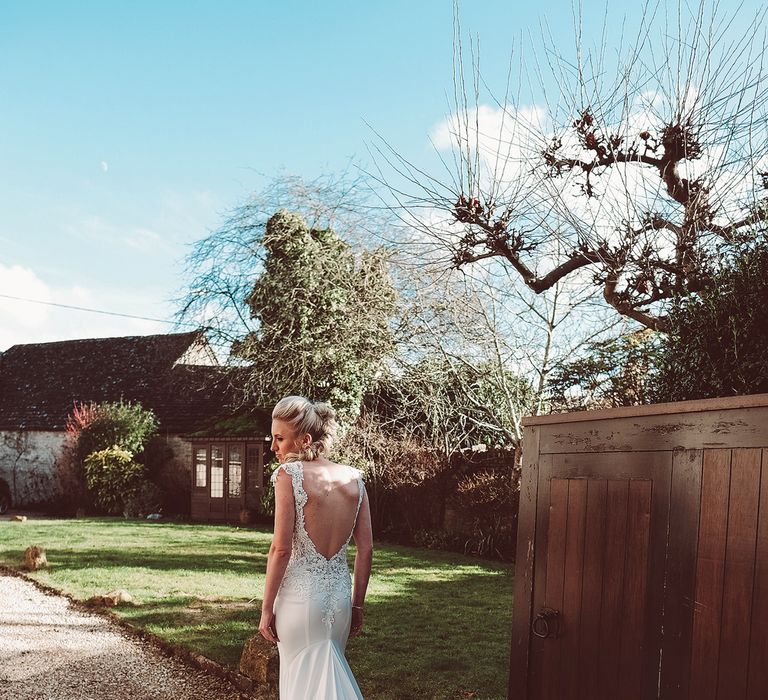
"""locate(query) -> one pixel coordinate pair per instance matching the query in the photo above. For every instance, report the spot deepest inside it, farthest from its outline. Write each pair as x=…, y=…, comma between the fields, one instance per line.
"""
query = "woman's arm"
x=279, y=551
x=363, y=536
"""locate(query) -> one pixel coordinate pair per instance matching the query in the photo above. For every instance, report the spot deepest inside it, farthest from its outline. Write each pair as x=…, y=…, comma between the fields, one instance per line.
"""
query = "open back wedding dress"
x=313, y=606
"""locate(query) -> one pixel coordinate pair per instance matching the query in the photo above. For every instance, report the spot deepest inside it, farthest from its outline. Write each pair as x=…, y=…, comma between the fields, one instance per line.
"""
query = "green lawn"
x=437, y=624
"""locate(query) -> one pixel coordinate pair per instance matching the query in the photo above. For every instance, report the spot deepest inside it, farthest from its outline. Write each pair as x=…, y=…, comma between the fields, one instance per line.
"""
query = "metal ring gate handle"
x=540, y=626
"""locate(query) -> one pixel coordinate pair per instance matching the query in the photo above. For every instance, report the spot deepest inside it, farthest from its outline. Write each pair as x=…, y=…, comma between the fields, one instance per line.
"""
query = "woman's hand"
x=357, y=622
x=267, y=626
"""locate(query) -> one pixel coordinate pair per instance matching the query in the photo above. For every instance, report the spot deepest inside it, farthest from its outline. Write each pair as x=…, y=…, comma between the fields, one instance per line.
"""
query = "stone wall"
x=28, y=462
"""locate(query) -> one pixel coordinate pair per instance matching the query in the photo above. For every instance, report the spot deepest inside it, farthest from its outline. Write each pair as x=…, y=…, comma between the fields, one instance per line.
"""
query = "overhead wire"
x=97, y=311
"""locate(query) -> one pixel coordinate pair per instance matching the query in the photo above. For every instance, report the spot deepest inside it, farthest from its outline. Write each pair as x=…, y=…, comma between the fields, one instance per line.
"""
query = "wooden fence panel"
x=612, y=616
x=635, y=582
x=593, y=573
x=738, y=577
x=525, y=561
x=558, y=522
x=713, y=429
x=705, y=653
x=647, y=527
x=757, y=688
x=684, y=507
x=574, y=567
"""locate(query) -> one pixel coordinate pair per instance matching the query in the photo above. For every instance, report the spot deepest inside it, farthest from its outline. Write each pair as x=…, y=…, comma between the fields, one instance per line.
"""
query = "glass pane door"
x=217, y=472
x=235, y=465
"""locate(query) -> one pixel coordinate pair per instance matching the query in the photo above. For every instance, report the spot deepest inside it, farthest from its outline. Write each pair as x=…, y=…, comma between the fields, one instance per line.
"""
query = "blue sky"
x=127, y=129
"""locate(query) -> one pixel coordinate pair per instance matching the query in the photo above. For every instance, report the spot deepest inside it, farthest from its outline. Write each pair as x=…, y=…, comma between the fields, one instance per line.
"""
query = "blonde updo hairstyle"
x=304, y=416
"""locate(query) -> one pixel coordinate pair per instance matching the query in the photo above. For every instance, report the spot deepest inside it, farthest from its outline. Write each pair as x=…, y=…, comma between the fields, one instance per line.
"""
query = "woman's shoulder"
x=338, y=470
x=290, y=468
x=356, y=473
x=342, y=468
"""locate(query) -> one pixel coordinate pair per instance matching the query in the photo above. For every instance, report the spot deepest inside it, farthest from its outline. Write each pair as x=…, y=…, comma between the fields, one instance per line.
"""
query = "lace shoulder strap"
x=296, y=472
x=361, y=488
x=290, y=468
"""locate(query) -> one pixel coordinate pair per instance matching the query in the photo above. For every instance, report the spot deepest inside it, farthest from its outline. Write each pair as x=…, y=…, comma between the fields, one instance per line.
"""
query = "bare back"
x=333, y=493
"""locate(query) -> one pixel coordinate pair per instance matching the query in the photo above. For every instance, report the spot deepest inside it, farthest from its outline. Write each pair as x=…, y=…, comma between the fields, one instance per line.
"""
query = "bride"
x=310, y=608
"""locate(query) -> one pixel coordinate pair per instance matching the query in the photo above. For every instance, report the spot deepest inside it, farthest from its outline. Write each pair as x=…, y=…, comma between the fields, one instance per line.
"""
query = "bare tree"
x=499, y=342
x=638, y=169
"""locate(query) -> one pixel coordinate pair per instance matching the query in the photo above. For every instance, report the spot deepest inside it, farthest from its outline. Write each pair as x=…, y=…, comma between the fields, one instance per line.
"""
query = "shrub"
x=112, y=476
x=104, y=427
x=267, y=498
x=99, y=426
x=488, y=499
x=614, y=372
x=717, y=344
x=438, y=539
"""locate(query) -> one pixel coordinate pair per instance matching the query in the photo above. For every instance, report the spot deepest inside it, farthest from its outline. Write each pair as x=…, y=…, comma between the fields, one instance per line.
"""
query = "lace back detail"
x=308, y=571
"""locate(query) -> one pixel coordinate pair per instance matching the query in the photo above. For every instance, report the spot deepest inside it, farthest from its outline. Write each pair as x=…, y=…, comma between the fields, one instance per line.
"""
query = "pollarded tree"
x=322, y=317
x=635, y=171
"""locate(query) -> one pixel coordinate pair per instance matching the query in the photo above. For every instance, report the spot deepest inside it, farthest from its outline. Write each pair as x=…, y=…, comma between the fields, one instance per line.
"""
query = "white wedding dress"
x=313, y=610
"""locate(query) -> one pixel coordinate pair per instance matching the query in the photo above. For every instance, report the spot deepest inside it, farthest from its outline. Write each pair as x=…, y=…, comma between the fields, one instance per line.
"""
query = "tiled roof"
x=41, y=382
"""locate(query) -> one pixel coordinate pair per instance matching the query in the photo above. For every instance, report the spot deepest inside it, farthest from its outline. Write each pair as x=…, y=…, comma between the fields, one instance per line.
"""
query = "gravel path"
x=50, y=651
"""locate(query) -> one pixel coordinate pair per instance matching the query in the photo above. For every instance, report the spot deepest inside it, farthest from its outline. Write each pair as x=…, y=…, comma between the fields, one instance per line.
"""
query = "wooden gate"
x=642, y=559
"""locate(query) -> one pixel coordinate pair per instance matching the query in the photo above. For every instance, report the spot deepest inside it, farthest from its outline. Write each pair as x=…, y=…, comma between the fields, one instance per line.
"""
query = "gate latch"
x=547, y=624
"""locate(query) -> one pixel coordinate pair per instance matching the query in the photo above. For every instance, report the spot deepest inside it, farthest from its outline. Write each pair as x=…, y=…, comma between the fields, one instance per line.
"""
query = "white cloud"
x=500, y=138
x=146, y=240
x=29, y=322
x=104, y=166
x=17, y=281
x=139, y=238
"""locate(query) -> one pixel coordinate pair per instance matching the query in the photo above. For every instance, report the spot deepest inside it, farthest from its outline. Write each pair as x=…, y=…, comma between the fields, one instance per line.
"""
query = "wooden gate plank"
x=685, y=499
x=757, y=687
x=553, y=596
x=612, y=617
x=574, y=570
x=591, y=601
x=713, y=521
x=522, y=604
x=720, y=429
x=739, y=574
x=635, y=580
x=541, y=538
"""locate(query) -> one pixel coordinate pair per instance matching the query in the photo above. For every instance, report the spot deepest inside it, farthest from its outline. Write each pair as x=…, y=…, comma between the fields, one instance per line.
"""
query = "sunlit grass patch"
x=437, y=623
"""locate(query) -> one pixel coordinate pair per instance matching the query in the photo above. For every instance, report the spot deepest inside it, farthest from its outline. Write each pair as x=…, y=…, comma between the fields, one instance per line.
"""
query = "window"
x=217, y=472
x=235, y=471
x=200, y=467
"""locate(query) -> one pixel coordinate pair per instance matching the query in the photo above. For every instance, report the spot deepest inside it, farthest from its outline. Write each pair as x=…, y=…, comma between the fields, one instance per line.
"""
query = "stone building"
x=175, y=375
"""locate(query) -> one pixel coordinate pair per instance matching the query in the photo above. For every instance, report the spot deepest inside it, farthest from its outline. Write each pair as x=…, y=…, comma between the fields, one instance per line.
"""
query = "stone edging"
x=249, y=689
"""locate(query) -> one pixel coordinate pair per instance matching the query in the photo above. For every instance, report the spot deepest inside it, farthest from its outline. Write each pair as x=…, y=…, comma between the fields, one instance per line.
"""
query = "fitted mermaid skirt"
x=312, y=662
x=313, y=611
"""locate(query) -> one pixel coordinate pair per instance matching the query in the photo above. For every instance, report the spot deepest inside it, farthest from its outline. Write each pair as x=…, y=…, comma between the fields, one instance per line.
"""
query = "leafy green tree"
x=717, y=344
x=614, y=372
x=322, y=317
